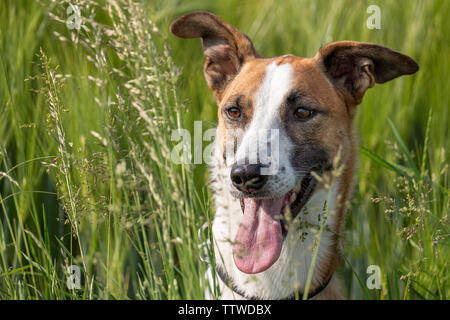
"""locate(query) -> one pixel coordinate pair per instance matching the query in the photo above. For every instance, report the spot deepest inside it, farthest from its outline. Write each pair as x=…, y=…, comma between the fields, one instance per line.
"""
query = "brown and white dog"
x=310, y=104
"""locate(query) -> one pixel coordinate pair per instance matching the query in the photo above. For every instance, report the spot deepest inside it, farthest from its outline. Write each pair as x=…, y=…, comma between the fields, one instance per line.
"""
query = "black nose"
x=248, y=178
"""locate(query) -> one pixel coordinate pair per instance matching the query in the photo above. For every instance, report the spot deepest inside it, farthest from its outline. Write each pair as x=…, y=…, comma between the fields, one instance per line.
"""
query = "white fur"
x=292, y=267
x=289, y=272
x=266, y=119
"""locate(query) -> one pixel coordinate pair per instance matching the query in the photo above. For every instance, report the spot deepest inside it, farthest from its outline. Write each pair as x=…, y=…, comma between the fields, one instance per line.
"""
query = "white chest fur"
x=289, y=273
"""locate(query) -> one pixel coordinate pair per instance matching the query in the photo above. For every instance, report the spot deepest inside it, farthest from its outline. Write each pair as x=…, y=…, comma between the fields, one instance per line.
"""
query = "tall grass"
x=86, y=176
x=128, y=215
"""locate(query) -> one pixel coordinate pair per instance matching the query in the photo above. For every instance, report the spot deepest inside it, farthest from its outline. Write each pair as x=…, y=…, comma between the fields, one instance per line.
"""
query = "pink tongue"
x=258, y=241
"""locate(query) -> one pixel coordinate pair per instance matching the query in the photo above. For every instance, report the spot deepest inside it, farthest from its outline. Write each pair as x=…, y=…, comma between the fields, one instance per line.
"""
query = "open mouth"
x=264, y=226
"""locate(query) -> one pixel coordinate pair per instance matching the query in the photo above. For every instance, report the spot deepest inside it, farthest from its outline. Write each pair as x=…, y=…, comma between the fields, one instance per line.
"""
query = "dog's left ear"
x=353, y=67
x=225, y=48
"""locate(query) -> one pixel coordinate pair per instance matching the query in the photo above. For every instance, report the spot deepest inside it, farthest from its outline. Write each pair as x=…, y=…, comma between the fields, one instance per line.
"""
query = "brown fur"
x=333, y=82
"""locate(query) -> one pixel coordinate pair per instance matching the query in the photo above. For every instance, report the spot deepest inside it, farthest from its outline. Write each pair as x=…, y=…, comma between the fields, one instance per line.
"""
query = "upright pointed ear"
x=353, y=67
x=225, y=48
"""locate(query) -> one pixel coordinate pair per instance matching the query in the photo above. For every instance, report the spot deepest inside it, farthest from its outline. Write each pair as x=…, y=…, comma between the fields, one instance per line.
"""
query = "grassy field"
x=85, y=139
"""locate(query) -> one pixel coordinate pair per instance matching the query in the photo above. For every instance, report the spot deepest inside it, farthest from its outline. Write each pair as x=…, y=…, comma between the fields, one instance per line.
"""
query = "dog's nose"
x=248, y=178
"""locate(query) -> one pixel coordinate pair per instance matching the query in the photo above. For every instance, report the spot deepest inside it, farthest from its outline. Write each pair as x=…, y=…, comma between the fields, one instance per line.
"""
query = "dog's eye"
x=303, y=114
x=234, y=113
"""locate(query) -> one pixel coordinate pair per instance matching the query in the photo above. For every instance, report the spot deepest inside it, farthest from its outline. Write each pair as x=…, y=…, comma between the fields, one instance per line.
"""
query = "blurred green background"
x=403, y=127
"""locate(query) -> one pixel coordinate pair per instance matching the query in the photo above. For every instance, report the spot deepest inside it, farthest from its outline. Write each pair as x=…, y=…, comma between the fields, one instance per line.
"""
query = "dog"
x=267, y=222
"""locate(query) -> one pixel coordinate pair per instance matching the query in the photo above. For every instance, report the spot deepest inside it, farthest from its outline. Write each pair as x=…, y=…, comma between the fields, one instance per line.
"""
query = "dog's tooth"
x=292, y=197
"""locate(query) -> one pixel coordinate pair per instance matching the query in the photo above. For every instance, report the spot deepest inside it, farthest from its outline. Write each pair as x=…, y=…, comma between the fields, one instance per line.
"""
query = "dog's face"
x=280, y=119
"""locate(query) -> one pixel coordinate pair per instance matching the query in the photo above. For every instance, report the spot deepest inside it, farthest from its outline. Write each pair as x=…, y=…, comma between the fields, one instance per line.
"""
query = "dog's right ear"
x=225, y=48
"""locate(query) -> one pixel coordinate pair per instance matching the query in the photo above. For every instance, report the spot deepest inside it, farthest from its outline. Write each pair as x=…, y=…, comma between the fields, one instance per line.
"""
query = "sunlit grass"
x=85, y=172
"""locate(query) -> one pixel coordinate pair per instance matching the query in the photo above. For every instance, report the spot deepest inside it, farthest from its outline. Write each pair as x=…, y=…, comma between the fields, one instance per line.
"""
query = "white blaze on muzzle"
x=265, y=141
x=258, y=241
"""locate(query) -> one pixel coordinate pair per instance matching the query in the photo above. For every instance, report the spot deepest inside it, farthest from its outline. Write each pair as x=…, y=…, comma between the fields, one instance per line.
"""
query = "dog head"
x=280, y=119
